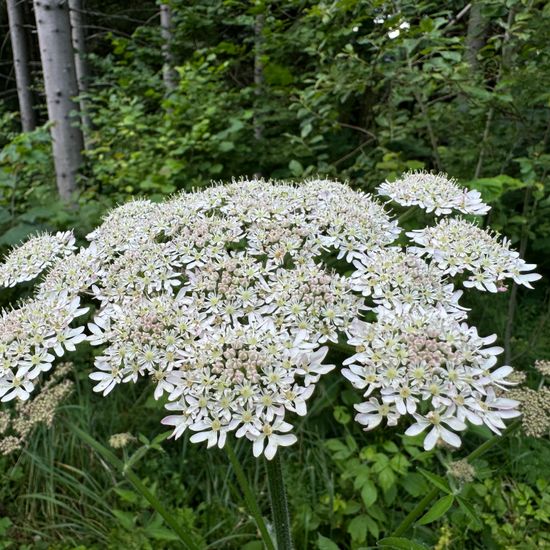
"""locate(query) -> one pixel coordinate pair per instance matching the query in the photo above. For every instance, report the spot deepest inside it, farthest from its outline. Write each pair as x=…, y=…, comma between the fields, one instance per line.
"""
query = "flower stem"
x=279, y=504
x=418, y=510
x=155, y=503
x=251, y=501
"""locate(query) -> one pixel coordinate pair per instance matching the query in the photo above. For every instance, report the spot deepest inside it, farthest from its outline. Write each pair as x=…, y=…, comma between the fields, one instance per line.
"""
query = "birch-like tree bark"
x=21, y=64
x=169, y=74
x=56, y=53
x=76, y=10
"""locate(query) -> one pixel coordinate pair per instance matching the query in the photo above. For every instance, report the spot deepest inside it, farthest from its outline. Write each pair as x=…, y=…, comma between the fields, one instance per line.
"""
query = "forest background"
x=173, y=96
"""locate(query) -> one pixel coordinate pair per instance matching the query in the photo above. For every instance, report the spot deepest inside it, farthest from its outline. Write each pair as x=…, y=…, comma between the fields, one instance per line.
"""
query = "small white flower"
x=438, y=431
x=269, y=432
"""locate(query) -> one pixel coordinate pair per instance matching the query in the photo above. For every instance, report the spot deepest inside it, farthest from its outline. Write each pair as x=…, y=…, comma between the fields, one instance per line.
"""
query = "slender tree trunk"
x=76, y=9
x=21, y=64
x=169, y=74
x=475, y=37
x=56, y=52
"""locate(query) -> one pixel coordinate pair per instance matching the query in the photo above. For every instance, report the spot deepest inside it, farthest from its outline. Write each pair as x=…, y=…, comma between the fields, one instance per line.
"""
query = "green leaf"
x=369, y=494
x=438, y=481
x=400, y=543
x=127, y=495
x=451, y=56
x=161, y=533
x=5, y=215
x=437, y=510
x=386, y=478
x=340, y=451
x=326, y=544
x=414, y=484
x=296, y=168
x=226, y=146
x=126, y=519
x=342, y=415
x=469, y=510
x=372, y=527
x=357, y=528
x=17, y=234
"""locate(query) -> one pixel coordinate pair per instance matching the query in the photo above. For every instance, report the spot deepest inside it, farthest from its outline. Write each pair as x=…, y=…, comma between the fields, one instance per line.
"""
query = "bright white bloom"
x=230, y=298
x=438, y=432
x=426, y=358
x=27, y=261
x=401, y=280
x=456, y=245
x=433, y=192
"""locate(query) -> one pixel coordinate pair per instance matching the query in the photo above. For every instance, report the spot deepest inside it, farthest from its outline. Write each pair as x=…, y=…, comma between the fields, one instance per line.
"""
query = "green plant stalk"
x=419, y=509
x=139, y=486
x=249, y=498
x=279, y=503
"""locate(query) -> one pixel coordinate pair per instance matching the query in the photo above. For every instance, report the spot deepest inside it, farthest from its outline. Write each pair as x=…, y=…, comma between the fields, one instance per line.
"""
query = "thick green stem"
x=419, y=509
x=251, y=501
x=279, y=504
x=155, y=503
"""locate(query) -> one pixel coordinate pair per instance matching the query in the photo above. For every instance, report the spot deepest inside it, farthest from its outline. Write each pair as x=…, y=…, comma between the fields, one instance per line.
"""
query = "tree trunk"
x=56, y=52
x=21, y=64
x=76, y=9
x=475, y=37
x=169, y=75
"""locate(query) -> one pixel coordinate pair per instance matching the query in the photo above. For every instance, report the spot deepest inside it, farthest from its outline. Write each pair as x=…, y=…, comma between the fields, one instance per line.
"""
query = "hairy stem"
x=279, y=504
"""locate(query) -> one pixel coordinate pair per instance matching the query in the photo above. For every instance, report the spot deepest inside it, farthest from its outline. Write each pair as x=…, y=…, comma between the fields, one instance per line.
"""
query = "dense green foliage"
x=340, y=98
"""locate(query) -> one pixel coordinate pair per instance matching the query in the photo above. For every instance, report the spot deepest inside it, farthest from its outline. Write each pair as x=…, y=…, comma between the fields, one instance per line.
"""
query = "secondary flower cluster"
x=18, y=423
x=457, y=246
x=433, y=193
x=227, y=299
x=29, y=260
x=32, y=336
x=432, y=366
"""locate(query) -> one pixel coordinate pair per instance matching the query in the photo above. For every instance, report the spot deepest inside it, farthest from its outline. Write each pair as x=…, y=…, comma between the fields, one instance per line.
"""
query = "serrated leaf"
x=386, y=478
x=437, y=510
x=323, y=543
x=369, y=494
x=357, y=528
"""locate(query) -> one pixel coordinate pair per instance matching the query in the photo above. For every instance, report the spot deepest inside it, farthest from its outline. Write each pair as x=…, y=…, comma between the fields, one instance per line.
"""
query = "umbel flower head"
x=229, y=300
x=434, y=193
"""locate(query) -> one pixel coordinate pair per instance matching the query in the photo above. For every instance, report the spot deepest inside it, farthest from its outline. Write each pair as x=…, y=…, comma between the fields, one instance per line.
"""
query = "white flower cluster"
x=30, y=339
x=429, y=365
x=226, y=298
x=400, y=280
x=29, y=260
x=456, y=245
x=433, y=193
